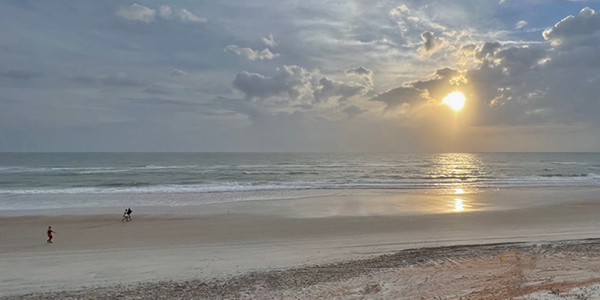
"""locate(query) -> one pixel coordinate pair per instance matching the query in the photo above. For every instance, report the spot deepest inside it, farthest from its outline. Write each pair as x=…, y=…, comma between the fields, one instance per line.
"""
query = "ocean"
x=58, y=180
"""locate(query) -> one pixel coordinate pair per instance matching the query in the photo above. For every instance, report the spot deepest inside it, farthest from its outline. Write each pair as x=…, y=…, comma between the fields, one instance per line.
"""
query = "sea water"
x=61, y=180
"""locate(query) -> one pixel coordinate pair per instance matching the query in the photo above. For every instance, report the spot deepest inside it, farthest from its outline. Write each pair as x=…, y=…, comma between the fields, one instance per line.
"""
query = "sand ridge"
x=501, y=271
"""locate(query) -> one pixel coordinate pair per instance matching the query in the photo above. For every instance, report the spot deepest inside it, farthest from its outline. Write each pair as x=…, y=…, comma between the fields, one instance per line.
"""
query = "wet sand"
x=191, y=247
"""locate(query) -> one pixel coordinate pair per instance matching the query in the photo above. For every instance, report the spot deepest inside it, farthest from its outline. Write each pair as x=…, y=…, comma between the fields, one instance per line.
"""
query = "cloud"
x=178, y=72
x=516, y=60
x=363, y=73
x=410, y=21
x=399, y=10
x=251, y=54
x=431, y=43
x=165, y=11
x=295, y=83
x=328, y=89
x=398, y=96
x=117, y=80
x=19, y=74
x=122, y=80
x=292, y=83
x=548, y=83
x=137, y=12
x=521, y=24
x=353, y=111
x=269, y=41
x=186, y=16
x=157, y=90
x=585, y=25
x=501, y=88
x=487, y=50
x=224, y=105
x=467, y=49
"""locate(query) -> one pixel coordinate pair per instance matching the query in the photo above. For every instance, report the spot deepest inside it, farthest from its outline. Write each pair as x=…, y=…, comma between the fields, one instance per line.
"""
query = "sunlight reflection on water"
x=458, y=205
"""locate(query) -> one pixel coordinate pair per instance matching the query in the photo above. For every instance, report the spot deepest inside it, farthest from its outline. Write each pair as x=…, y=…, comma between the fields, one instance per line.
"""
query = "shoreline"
x=179, y=203
x=406, y=201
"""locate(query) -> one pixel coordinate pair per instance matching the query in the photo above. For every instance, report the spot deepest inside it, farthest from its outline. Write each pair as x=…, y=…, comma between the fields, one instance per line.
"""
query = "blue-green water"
x=196, y=173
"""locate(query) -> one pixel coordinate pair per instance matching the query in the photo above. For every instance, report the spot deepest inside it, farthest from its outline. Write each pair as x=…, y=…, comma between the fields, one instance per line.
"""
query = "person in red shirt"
x=50, y=232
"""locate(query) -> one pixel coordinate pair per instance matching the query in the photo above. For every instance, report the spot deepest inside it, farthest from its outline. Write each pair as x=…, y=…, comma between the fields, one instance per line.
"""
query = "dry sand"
x=251, y=251
x=558, y=270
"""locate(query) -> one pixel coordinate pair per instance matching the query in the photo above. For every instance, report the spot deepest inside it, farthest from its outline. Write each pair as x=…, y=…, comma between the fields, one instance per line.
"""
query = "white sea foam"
x=432, y=183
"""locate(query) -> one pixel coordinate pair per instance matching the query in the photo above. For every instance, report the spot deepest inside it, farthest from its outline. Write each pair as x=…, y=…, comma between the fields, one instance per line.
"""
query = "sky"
x=299, y=76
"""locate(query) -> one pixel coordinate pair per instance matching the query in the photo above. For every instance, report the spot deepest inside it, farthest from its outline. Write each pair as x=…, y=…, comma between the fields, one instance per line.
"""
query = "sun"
x=456, y=100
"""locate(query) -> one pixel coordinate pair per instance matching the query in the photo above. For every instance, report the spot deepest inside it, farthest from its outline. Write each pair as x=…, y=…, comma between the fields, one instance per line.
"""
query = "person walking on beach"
x=129, y=211
x=127, y=215
x=50, y=232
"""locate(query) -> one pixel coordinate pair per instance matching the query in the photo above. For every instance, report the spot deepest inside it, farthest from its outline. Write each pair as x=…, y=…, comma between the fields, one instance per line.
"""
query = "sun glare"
x=456, y=100
x=458, y=205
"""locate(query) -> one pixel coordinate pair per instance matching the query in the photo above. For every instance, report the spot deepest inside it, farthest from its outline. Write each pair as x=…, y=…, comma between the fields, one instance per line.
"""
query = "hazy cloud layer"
x=271, y=75
x=19, y=74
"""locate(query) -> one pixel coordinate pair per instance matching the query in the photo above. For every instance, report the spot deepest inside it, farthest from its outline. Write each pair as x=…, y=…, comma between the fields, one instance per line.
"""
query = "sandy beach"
x=227, y=246
x=543, y=271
